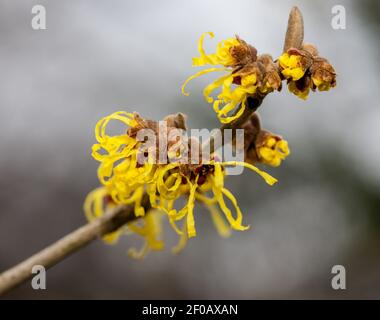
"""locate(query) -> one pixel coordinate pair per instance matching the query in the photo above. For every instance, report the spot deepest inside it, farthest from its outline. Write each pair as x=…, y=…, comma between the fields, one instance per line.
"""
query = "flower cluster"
x=252, y=75
x=125, y=180
x=305, y=70
x=248, y=75
x=133, y=174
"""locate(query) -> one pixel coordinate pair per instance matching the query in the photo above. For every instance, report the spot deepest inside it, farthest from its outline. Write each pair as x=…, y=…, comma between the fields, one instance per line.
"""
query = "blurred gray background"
x=97, y=57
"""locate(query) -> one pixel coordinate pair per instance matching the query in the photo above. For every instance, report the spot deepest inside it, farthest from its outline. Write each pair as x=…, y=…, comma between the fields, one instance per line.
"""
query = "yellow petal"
x=190, y=211
x=267, y=177
x=224, y=119
x=212, y=86
x=182, y=240
x=220, y=225
x=198, y=74
x=235, y=223
x=204, y=58
x=125, y=117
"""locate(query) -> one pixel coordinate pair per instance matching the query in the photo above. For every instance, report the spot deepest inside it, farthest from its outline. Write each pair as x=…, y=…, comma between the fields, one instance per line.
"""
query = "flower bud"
x=271, y=149
x=323, y=74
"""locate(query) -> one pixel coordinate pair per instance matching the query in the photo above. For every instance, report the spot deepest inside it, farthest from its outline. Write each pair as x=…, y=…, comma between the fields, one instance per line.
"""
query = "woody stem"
x=74, y=241
x=119, y=216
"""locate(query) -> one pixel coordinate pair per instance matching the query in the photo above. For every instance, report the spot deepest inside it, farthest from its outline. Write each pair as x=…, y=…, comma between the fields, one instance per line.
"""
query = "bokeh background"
x=97, y=57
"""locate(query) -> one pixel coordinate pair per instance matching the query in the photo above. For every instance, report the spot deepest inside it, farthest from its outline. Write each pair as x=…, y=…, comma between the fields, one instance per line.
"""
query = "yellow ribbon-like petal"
x=267, y=177
x=198, y=74
x=222, y=228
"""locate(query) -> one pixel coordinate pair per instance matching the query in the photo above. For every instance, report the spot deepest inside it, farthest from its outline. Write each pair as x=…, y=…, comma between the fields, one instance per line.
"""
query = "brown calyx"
x=243, y=54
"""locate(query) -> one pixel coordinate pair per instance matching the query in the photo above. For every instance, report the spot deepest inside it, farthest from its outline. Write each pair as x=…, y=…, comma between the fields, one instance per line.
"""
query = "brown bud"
x=294, y=32
x=251, y=129
x=310, y=48
x=323, y=71
x=243, y=54
x=177, y=120
x=142, y=124
x=271, y=72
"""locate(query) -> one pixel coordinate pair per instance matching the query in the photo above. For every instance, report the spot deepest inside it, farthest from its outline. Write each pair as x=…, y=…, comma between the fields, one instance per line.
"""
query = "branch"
x=117, y=217
x=69, y=244
x=111, y=221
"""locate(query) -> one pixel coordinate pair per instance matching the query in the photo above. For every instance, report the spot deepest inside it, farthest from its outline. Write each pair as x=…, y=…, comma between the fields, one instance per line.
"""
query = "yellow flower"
x=323, y=74
x=95, y=205
x=148, y=227
x=324, y=80
x=125, y=181
x=304, y=70
x=171, y=185
x=272, y=150
x=230, y=53
x=291, y=65
x=321, y=85
x=119, y=170
x=151, y=231
x=302, y=93
x=228, y=100
x=222, y=56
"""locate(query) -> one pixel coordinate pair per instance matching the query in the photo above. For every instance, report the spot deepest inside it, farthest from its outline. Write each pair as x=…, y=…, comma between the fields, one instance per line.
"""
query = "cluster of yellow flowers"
x=251, y=75
x=172, y=187
x=125, y=181
x=305, y=71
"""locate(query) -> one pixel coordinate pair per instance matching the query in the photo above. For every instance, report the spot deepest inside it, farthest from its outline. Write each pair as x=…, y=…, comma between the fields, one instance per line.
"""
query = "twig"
x=79, y=238
x=69, y=244
x=111, y=221
x=116, y=218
